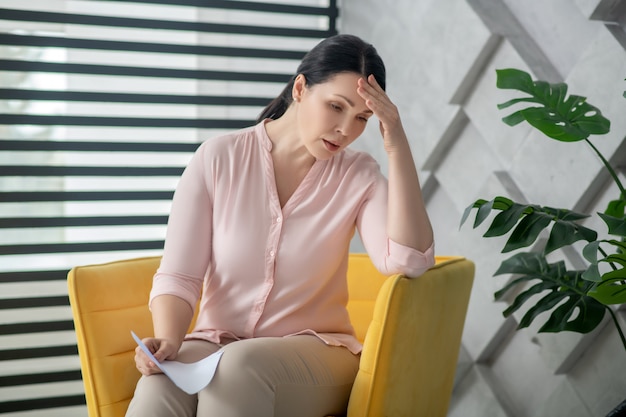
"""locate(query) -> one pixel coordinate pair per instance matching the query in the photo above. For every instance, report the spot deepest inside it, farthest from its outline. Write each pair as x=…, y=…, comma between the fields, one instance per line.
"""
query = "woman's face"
x=331, y=115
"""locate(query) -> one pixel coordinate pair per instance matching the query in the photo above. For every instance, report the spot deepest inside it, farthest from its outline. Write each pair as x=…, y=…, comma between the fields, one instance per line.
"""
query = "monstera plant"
x=576, y=300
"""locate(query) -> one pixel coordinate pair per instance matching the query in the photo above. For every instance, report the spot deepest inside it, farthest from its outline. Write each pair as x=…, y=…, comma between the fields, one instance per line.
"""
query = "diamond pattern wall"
x=441, y=58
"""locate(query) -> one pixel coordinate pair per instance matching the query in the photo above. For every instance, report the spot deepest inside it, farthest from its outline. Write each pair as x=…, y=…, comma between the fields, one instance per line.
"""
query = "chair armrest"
x=411, y=348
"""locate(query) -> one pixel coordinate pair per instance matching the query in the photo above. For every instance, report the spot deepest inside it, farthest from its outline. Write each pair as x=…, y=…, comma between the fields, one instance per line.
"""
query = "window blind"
x=102, y=103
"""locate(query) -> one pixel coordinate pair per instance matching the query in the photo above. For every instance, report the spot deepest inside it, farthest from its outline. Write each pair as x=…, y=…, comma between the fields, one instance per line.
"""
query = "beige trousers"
x=296, y=376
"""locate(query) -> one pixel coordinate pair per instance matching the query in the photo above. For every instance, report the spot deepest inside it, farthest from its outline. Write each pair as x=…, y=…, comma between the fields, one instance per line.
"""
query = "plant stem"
x=609, y=168
x=619, y=329
x=603, y=252
x=622, y=197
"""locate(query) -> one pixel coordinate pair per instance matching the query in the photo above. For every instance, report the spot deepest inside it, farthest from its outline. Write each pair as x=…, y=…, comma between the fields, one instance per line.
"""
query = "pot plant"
x=572, y=300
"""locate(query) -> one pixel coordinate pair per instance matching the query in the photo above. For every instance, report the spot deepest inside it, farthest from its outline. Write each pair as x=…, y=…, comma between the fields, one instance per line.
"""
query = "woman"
x=261, y=224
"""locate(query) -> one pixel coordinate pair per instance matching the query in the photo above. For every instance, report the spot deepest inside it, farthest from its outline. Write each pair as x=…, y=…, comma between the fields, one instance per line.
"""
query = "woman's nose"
x=343, y=128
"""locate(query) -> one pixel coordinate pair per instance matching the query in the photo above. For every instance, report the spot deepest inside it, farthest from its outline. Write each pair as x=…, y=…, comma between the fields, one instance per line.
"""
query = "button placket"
x=276, y=229
x=273, y=241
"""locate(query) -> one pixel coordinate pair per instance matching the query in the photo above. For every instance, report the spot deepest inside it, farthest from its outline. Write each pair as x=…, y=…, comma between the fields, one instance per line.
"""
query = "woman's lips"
x=330, y=146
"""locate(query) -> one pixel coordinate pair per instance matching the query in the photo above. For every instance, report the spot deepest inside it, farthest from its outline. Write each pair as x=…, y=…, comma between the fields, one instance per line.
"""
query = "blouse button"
x=272, y=253
x=279, y=219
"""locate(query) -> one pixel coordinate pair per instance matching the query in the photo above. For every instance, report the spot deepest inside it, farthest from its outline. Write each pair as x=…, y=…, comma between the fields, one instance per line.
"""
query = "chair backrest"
x=108, y=301
x=413, y=319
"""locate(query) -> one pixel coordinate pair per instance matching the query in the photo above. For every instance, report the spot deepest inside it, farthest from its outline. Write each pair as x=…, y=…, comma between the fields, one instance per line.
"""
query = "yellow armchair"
x=411, y=330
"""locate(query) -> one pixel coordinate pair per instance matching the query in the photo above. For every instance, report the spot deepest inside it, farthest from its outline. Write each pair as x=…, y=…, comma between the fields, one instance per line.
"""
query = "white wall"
x=441, y=58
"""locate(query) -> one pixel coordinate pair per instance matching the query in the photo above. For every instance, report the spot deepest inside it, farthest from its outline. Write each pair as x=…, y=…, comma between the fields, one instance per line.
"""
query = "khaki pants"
x=296, y=376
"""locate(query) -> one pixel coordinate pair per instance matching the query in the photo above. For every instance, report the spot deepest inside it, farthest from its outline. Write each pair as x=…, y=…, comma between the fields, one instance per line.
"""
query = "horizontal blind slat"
x=160, y=48
x=49, y=326
x=93, y=171
x=79, y=247
x=34, y=302
x=19, y=94
x=330, y=10
x=96, y=146
x=33, y=276
x=135, y=23
x=41, y=403
x=72, y=196
x=29, y=379
x=40, y=352
x=30, y=222
x=120, y=70
x=61, y=120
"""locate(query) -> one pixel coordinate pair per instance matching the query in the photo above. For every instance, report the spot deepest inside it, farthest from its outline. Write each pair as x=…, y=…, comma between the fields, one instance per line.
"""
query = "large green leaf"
x=525, y=222
x=529, y=263
x=565, y=294
x=558, y=116
x=506, y=220
x=522, y=298
x=565, y=233
x=527, y=230
x=590, y=313
x=484, y=209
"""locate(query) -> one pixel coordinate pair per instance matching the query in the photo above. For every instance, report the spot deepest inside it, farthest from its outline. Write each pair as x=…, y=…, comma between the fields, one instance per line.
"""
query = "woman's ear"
x=299, y=85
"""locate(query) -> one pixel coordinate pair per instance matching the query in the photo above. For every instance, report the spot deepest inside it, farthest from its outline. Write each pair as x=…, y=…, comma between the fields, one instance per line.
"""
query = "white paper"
x=190, y=377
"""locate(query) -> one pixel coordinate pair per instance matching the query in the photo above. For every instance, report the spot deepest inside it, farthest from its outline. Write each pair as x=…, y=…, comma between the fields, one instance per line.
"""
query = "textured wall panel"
x=441, y=59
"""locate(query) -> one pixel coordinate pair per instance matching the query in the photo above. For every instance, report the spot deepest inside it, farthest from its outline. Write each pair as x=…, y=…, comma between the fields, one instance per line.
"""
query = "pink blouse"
x=264, y=270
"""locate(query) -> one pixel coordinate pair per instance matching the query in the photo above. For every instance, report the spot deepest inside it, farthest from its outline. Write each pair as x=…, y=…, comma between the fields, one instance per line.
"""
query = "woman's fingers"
x=369, y=94
x=373, y=84
x=377, y=100
x=144, y=364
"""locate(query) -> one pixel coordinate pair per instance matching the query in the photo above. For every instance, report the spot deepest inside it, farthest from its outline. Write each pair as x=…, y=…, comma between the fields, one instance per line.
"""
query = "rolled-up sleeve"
x=411, y=262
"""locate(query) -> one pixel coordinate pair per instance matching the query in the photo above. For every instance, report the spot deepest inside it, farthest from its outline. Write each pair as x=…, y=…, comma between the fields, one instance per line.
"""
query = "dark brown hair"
x=333, y=55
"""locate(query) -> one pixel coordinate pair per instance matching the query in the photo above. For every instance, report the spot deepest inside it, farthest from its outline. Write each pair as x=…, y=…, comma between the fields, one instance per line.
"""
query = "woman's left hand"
x=407, y=221
x=377, y=100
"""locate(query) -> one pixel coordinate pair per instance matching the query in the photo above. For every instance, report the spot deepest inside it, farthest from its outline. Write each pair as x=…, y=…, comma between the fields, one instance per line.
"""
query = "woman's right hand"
x=162, y=349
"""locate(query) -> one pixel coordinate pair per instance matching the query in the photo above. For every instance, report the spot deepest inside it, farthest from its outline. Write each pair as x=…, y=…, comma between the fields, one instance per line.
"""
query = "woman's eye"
x=335, y=107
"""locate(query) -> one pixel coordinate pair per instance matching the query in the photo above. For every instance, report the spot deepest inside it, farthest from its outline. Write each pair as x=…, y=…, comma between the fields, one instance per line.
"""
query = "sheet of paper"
x=190, y=377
